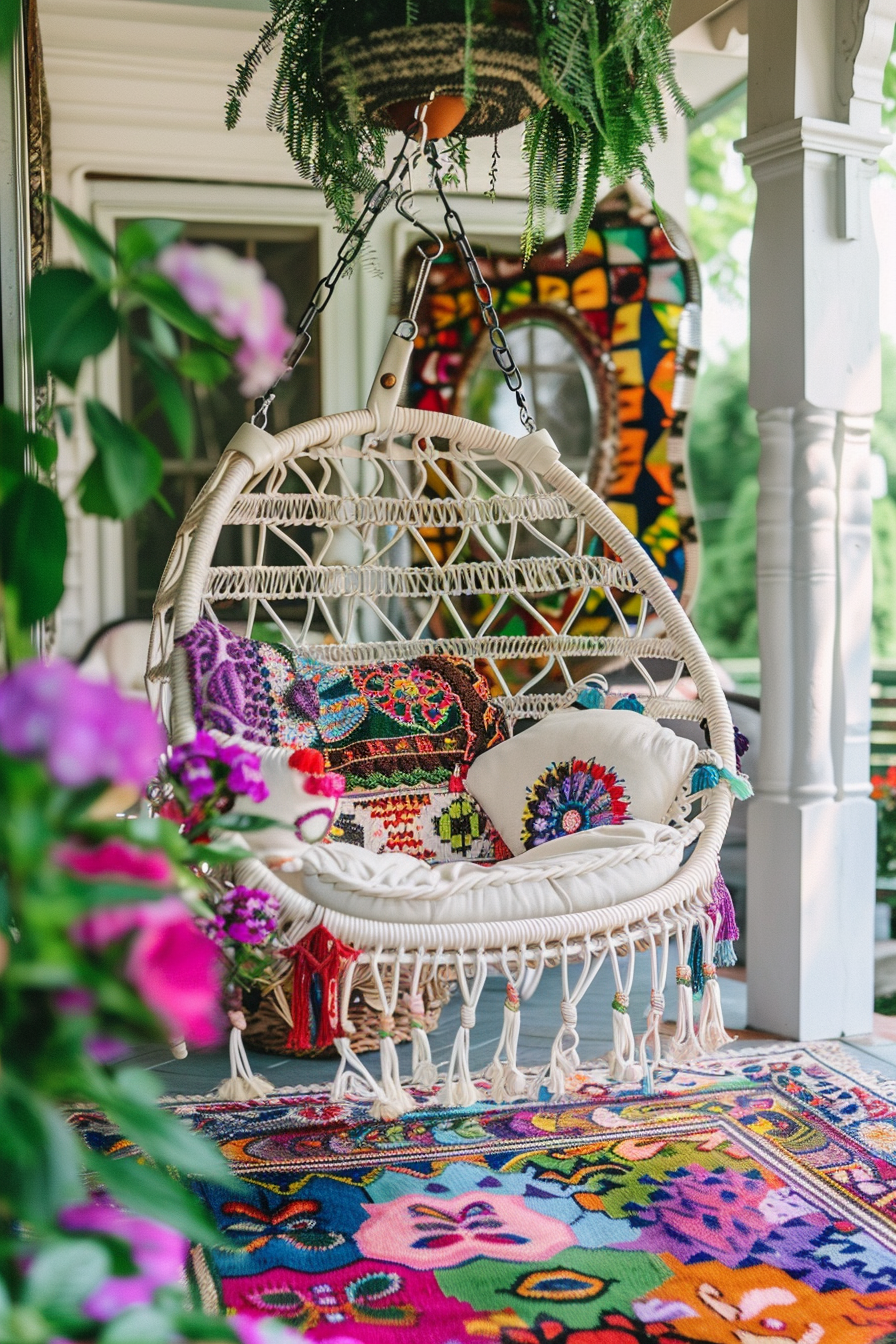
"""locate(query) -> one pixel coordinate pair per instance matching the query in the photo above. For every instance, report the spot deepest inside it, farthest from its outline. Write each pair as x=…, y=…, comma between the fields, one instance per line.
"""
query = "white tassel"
x=243, y=1084
x=564, y=1057
x=507, y=1080
x=711, y=1033
x=423, y=1072
x=458, y=1089
x=621, y=1059
x=179, y=1048
x=395, y=1100
x=651, y=1039
x=684, y=1046
x=353, y=1075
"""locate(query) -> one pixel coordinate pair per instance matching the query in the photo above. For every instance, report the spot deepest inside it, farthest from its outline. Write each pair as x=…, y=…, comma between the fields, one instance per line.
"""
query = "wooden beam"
x=685, y=13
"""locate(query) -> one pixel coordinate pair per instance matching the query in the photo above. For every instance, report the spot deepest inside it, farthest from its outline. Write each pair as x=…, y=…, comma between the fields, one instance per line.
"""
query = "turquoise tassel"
x=592, y=696
x=695, y=961
x=739, y=784
x=647, y=1082
x=705, y=777
x=630, y=702
x=725, y=954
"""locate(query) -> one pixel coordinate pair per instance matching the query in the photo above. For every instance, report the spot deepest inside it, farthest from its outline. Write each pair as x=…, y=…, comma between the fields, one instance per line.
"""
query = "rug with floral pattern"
x=752, y=1198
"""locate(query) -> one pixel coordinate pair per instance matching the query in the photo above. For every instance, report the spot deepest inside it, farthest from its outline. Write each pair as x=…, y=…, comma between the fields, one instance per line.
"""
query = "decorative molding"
x=774, y=545
x=864, y=37
x=778, y=143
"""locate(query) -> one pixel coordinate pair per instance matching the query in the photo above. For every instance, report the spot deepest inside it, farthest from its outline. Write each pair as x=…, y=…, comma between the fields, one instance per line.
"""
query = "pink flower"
x=172, y=966
x=158, y=1252
x=241, y=304
x=117, y=860
x=83, y=730
x=328, y=786
x=73, y=1000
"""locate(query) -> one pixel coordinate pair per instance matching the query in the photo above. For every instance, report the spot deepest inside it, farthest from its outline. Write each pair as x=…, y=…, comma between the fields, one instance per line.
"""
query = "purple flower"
x=245, y=773
x=106, y=1049
x=197, y=778
x=84, y=731
x=73, y=1000
x=202, y=765
x=233, y=293
x=158, y=1252
x=244, y=915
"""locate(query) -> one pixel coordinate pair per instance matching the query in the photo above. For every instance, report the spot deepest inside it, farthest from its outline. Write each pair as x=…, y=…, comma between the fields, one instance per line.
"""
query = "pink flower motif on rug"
x=441, y=1233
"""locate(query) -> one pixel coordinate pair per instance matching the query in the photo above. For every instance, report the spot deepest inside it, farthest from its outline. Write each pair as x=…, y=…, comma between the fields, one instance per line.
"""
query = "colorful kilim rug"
x=752, y=1199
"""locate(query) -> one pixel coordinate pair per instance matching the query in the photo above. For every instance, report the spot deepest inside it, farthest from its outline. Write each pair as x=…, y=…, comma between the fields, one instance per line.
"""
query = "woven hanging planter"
x=407, y=65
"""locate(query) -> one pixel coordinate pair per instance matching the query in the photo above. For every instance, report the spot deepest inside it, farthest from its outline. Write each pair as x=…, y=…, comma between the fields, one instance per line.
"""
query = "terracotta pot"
x=442, y=115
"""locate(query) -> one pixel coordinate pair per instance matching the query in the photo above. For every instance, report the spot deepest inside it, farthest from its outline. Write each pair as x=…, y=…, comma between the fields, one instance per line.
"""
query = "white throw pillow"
x=289, y=803
x=577, y=769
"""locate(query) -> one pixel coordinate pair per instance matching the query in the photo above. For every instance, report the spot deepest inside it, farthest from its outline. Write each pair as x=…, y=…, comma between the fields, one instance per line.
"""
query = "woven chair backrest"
x=444, y=536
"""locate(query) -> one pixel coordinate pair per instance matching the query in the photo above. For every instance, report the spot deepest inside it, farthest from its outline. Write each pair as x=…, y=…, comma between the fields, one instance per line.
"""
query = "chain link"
x=500, y=349
x=348, y=252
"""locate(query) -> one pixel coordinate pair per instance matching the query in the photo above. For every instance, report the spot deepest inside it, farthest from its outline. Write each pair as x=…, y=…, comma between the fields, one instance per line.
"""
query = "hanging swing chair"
x=487, y=827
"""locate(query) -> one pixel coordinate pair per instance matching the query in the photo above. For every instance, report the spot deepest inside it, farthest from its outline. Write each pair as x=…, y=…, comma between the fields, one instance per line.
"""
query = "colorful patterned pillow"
x=379, y=725
x=577, y=769
x=432, y=824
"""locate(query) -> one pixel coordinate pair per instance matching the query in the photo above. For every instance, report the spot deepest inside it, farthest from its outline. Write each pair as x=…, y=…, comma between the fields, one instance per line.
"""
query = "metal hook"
x=427, y=257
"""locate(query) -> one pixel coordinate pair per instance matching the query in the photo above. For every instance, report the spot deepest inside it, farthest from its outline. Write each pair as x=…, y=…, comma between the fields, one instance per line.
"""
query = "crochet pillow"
x=379, y=725
x=577, y=769
x=428, y=823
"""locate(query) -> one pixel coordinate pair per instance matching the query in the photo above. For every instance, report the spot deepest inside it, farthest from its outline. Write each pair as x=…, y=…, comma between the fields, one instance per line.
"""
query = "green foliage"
x=74, y=316
x=604, y=66
x=721, y=199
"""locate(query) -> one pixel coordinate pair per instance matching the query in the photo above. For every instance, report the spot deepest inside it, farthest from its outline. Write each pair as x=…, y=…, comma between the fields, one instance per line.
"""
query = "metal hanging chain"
x=500, y=349
x=351, y=246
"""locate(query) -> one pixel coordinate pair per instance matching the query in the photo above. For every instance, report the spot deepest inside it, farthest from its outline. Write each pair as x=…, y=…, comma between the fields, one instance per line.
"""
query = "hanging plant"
x=587, y=77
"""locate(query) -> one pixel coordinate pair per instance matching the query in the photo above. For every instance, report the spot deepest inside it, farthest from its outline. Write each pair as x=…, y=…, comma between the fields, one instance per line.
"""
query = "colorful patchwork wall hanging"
x=613, y=339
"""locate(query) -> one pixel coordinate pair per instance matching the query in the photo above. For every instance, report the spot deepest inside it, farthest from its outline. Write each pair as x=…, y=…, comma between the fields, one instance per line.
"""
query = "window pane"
x=290, y=259
x=558, y=387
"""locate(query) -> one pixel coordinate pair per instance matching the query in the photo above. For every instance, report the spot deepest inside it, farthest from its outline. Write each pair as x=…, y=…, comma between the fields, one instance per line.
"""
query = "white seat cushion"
x=577, y=769
x=575, y=873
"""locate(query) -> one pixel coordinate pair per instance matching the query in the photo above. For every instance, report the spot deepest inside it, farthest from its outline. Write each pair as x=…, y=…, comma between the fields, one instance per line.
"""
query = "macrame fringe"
x=394, y=1101
x=711, y=1033
x=507, y=1079
x=423, y=1071
x=318, y=961
x=351, y=1070
x=651, y=1040
x=564, y=1056
x=243, y=1084
x=458, y=1089
x=621, y=1059
x=684, y=1045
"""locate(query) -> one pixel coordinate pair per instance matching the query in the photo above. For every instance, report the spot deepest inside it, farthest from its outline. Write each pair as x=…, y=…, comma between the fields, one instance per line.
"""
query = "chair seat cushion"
x=575, y=873
x=577, y=770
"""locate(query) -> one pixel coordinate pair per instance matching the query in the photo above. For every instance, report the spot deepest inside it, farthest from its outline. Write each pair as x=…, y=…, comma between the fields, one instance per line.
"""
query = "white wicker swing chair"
x=519, y=526
x=506, y=493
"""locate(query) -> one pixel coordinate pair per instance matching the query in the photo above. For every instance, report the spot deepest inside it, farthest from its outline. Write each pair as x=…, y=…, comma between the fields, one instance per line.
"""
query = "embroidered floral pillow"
x=405, y=723
x=432, y=824
x=577, y=769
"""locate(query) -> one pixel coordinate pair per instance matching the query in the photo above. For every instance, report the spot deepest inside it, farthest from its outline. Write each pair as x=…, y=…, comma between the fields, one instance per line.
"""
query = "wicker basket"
x=413, y=62
x=269, y=1026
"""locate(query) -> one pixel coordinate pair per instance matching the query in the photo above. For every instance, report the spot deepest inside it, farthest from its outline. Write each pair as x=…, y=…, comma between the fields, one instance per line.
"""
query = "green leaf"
x=203, y=366
x=10, y=14
x=161, y=501
x=129, y=1101
x=96, y=252
x=66, y=419
x=175, y=406
x=63, y=1275
x=141, y=1325
x=145, y=239
x=153, y=1194
x=163, y=337
x=71, y=320
x=32, y=548
x=127, y=469
x=45, y=450
x=241, y=821
x=168, y=302
x=40, y=1155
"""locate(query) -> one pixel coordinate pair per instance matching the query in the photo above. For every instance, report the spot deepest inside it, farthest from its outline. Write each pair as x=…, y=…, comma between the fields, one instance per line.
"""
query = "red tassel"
x=456, y=782
x=308, y=760
x=319, y=955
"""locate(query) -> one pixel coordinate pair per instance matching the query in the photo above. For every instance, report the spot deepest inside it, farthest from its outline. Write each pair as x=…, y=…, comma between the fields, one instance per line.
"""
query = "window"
x=560, y=386
x=290, y=259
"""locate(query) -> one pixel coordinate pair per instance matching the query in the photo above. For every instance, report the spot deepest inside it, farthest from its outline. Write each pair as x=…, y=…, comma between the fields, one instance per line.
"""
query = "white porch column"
x=813, y=139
